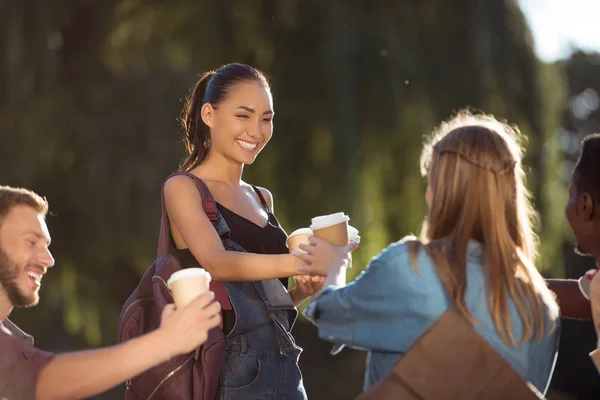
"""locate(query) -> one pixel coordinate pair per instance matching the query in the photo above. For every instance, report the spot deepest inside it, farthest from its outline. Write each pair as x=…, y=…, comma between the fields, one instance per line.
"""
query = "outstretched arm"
x=571, y=301
x=305, y=285
x=84, y=374
x=188, y=219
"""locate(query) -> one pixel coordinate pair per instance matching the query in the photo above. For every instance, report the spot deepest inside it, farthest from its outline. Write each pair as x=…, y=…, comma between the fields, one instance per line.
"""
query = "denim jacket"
x=392, y=303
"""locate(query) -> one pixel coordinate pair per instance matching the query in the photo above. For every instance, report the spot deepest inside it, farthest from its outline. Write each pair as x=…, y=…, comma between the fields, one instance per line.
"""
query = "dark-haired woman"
x=228, y=120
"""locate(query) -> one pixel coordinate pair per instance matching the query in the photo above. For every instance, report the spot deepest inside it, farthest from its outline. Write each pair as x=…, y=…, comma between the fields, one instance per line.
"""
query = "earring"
x=207, y=143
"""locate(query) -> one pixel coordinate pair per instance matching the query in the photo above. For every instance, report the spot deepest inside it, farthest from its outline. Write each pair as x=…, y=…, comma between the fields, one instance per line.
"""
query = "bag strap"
x=497, y=375
x=208, y=204
x=210, y=208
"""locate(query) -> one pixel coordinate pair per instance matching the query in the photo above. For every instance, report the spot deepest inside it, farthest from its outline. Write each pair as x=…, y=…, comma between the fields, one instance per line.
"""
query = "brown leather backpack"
x=451, y=361
x=189, y=376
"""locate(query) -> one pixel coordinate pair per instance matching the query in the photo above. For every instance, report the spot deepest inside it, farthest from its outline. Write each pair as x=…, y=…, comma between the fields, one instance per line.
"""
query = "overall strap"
x=262, y=199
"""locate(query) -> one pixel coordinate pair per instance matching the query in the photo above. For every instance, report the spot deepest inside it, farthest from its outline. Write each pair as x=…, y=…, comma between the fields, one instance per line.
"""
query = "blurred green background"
x=90, y=94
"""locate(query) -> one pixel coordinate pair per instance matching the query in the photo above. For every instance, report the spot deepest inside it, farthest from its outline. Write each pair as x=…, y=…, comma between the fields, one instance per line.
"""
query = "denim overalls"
x=260, y=357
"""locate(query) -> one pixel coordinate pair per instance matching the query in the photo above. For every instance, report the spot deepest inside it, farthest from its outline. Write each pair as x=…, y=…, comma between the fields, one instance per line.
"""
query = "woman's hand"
x=309, y=285
x=306, y=286
x=323, y=256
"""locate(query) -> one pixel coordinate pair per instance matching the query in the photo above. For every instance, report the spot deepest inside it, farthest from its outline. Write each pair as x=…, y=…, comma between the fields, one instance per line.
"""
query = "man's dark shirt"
x=20, y=363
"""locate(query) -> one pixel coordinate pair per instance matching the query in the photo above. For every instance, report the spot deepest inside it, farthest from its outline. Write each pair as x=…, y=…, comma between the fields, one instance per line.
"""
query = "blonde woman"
x=476, y=252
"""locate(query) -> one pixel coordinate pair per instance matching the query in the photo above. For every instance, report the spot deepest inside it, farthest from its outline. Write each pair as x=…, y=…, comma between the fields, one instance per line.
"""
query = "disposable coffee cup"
x=332, y=227
x=298, y=236
x=188, y=284
x=353, y=234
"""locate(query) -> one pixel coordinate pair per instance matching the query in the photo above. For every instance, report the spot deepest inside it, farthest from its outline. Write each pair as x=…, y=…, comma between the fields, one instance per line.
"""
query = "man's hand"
x=184, y=330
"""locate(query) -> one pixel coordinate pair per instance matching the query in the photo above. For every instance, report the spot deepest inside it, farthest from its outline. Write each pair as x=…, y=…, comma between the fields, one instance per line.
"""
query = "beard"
x=9, y=274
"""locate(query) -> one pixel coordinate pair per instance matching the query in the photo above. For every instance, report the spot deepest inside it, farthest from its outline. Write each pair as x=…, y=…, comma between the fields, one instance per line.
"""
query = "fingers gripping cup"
x=301, y=235
x=332, y=227
x=187, y=284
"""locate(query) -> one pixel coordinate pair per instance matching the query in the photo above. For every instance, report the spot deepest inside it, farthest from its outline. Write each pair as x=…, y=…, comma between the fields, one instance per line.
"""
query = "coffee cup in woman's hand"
x=323, y=256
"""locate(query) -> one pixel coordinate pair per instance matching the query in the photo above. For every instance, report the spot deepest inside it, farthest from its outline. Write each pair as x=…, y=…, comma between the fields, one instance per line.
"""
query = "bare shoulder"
x=267, y=195
x=179, y=185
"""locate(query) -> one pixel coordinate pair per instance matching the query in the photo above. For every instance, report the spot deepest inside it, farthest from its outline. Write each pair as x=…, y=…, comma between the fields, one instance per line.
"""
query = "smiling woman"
x=228, y=120
x=228, y=106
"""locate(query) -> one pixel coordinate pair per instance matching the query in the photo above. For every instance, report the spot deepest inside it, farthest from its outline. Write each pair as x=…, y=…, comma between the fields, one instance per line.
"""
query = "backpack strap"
x=210, y=208
x=208, y=204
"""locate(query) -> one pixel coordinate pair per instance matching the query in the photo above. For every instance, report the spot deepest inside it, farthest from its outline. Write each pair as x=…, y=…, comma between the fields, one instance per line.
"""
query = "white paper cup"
x=298, y=236
x=332, y=227
x=325, y=221
x=188, y=284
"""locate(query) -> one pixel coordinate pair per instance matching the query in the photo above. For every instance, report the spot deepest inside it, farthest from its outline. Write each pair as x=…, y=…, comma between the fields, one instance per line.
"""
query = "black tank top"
x=253, y=238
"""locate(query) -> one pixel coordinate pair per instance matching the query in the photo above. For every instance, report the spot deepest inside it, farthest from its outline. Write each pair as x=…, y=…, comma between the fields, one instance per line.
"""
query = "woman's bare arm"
x=187, y=217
